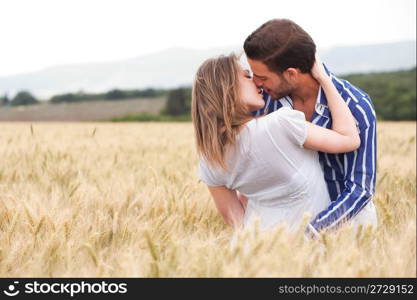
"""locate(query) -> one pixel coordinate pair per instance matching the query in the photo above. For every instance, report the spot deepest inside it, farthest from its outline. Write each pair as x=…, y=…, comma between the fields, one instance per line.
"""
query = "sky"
x=43, y=33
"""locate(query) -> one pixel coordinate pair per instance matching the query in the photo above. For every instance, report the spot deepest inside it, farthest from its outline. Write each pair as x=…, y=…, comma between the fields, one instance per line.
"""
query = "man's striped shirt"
x=350, y=177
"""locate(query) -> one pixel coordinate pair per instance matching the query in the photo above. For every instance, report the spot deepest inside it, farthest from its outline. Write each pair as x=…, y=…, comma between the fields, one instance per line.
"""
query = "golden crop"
x=123, y=200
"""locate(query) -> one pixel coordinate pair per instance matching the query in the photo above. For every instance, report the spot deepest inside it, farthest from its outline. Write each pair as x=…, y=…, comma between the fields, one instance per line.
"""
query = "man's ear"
x=291, y=74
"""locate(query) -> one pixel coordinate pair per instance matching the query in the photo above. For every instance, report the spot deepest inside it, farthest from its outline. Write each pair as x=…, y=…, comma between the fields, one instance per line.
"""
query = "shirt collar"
x=321, y=107
x=321, y=103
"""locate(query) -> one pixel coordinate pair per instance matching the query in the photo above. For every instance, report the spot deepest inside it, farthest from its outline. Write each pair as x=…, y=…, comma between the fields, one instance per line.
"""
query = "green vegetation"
x=177, y=109
x=145, y=117
x=178, y=102
x=115, y=94
x=4, y=100
x=393, y=93
x=23, y=98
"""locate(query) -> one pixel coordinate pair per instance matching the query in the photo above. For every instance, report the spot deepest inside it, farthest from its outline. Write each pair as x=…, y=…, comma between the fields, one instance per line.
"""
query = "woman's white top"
x=269, y=165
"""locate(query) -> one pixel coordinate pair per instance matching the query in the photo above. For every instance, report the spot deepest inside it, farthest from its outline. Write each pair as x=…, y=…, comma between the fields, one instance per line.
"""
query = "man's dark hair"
x=281, y=44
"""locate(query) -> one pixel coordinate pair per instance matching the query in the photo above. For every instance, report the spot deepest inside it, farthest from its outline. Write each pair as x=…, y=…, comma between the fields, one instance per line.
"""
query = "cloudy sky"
x=42, y=33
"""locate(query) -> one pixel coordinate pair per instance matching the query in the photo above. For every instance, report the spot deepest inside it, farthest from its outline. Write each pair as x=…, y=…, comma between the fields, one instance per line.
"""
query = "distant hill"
x=176, y=66
x=371, y=58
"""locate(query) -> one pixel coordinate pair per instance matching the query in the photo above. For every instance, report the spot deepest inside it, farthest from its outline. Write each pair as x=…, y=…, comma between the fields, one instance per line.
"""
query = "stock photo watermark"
x=71, y=289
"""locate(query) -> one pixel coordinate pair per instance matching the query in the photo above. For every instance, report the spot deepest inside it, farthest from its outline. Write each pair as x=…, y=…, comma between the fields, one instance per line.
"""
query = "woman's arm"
x=344, y=136
x=228, y=204
x=242, y=198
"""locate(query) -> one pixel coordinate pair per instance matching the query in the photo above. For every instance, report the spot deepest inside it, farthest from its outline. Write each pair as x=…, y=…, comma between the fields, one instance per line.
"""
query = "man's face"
x=275, y=85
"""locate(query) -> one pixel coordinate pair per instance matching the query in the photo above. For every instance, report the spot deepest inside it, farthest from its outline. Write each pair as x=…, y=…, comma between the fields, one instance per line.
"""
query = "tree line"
x=26, y=98
x=393, y=95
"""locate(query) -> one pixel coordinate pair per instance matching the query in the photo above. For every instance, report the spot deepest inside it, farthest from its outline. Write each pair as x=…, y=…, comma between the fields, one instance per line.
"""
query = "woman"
x=232, y=145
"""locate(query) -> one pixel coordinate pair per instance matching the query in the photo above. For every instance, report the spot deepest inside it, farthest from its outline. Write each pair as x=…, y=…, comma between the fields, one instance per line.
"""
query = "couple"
x=286, y=139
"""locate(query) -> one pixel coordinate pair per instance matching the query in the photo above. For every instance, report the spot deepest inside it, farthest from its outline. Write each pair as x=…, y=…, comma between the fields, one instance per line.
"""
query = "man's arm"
x=359, y=181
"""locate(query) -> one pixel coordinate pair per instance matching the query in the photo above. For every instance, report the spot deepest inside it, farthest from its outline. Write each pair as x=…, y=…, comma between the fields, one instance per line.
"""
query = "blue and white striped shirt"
x=350, y=177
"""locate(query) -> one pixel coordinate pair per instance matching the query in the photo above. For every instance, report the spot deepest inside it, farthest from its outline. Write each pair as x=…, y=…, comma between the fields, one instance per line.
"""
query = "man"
x=281, y=55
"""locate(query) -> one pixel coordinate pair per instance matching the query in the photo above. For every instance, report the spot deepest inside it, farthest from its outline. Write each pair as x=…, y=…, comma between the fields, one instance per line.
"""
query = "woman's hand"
x=318, y=71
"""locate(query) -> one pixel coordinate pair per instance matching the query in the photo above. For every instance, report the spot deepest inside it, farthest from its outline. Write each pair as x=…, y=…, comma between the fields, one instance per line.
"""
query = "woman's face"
x=251, y=95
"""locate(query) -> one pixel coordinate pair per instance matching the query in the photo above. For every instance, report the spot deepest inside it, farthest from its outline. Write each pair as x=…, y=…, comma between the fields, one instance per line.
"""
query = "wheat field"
x=124, y=200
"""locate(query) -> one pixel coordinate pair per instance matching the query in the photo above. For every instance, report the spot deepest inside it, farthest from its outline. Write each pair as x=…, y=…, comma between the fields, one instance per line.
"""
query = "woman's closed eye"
x=248, y=74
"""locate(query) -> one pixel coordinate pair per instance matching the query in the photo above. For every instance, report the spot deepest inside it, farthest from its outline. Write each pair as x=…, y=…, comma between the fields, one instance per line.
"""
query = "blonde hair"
x=218, y=112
